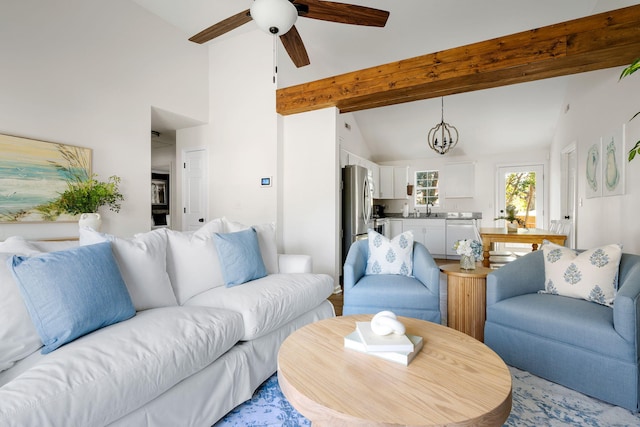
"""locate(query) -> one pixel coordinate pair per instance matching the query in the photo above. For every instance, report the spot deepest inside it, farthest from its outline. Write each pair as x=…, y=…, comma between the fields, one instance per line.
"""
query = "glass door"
x=523, y=188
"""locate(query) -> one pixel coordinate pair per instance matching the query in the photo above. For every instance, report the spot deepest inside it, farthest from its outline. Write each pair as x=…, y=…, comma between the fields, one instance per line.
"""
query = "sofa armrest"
x=290, y=263
x=425, y=268
x=626, y=308
x=523, y=276
x=355, y=265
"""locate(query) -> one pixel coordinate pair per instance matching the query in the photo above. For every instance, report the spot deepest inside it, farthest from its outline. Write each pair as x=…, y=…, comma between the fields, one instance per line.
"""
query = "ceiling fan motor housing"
x=274, y=16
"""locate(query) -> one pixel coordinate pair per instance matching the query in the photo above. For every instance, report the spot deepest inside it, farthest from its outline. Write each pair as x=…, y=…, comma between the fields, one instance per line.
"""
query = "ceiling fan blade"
x=294, y=46
x=344, y=13
x=222, y=27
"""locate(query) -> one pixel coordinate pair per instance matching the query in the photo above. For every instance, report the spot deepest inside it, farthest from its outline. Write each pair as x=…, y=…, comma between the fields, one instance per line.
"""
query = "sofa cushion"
x=105, y=375
x=393, y=256
x=408, y=293
x=239, y=255
x=590, y=275
x=18, y=335
x=192, y=260
x=71, y=293
x=266, y=240
x=143, y=264
x=269, y=302
x=572, y=321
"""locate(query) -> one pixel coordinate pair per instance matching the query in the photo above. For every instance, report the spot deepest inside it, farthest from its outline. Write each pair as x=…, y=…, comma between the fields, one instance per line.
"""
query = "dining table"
x=533, y=236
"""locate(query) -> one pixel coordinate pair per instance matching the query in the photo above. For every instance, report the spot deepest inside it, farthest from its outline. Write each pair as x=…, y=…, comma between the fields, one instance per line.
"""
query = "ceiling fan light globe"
x=274, y=16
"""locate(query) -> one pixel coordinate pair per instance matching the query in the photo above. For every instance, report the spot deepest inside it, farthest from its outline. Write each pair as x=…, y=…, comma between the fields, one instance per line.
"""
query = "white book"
x=353, y=342
x=375, y=342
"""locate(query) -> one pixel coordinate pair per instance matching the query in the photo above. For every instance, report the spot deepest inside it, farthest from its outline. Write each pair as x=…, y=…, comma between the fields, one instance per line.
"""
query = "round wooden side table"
x=466, y=299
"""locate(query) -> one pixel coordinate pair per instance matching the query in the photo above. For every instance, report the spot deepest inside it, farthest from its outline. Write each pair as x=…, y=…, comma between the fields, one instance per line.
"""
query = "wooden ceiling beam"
x=605, y=40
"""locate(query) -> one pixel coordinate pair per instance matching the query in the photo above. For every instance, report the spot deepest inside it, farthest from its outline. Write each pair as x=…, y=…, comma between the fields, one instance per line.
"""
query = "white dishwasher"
x=459, y=229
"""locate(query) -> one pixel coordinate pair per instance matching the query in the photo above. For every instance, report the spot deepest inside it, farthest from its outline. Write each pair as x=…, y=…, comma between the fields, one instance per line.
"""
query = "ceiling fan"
x=278, y=17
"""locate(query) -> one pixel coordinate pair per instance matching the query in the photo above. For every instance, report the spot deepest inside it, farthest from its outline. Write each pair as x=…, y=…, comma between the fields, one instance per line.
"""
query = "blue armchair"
x=417, y=296
x=582, y=345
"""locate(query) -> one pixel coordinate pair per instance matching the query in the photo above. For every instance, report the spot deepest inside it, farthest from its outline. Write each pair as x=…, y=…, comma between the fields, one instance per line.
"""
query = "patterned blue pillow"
x=591, y=275
x=71, y=293
x=390, y=256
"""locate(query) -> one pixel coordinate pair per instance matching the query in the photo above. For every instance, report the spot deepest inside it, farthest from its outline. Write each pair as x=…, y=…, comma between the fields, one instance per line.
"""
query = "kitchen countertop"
x=437, y=215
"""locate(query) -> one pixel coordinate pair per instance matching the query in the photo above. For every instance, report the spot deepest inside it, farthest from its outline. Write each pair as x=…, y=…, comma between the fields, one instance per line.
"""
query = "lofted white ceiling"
x=494, y=120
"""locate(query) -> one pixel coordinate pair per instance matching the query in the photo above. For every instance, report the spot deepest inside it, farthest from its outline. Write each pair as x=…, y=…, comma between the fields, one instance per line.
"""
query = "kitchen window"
x=427, y=188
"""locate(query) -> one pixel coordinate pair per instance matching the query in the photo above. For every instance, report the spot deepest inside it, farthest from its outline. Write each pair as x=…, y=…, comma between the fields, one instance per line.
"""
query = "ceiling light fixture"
x=274, y=16
x=448, y=136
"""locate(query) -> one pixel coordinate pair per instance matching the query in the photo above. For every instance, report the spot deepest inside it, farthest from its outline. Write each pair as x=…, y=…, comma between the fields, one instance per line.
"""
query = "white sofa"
x=194, y=349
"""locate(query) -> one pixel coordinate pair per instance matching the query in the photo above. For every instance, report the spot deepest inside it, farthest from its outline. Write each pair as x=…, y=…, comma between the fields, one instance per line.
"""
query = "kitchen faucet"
x=429, y=209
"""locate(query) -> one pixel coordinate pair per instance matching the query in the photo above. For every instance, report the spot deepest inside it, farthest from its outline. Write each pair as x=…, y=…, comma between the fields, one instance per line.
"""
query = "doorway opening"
x=521, y=186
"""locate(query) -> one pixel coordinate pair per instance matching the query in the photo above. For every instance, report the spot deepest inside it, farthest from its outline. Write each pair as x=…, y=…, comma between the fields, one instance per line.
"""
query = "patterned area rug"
x=536, y=403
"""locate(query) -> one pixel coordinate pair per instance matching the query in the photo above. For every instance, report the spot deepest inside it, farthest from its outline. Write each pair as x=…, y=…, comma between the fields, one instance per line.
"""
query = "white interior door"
x=569, y=191
x=194, y=189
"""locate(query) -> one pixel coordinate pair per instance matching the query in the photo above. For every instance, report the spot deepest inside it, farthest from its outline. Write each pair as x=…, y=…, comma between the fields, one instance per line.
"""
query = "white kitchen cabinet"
x=435, y=238
x=400, y=181
x=386, y=182
x=395, y=227
x=429, y=232
x=417, y=226
x=393, y=182
x=458, y=180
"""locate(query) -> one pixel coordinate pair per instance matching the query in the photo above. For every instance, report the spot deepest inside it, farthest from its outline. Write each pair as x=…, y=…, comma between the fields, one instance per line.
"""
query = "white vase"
x=90, y=220
x=467, y=262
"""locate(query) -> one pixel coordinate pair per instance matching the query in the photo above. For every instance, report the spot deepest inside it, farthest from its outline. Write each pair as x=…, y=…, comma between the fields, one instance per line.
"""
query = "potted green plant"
x=512, y=221
x=635, y=66
x=84, y=197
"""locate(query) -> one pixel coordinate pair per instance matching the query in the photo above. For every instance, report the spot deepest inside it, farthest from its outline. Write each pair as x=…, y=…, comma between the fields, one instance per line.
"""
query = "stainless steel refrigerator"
x=357, y=205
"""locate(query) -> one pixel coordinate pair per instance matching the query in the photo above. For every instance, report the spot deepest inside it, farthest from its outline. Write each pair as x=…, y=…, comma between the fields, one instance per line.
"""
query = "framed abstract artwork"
x=34, y=173
x=613, y=162
x=593, y=170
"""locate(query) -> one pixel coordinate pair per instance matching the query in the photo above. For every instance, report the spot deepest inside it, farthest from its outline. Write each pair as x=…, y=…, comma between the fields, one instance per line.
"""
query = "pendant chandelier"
x=447, y=134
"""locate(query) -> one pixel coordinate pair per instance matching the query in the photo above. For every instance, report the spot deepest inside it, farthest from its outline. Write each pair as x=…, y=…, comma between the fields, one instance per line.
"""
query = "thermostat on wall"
x=265, y=182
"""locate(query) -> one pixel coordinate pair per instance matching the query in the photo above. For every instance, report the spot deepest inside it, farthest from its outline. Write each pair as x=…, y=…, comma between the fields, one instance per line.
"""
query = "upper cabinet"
x=400, y=182
x=389, y=182
x=458, y=180
x=386, y=182
x=393, y=182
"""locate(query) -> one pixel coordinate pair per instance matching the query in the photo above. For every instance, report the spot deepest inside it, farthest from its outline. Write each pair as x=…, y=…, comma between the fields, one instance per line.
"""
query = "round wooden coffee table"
x=455, y=380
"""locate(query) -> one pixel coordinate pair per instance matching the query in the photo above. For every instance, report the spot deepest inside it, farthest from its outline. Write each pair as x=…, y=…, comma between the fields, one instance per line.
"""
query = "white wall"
x=599, y=102
x=86, y=73
x=243, y=130
x=311, y=178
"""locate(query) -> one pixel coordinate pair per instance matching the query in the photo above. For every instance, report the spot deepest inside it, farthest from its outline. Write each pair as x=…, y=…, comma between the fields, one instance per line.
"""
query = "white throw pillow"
x=266, y=240
x=143, y=265
x=18, y=337
x=591, y=275
x=390, y=256
x=192, y=260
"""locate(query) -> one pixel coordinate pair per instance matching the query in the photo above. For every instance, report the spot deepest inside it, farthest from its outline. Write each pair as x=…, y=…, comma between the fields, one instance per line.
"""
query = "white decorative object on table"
x=90, y=220
x=384, y=333
x=385, y=323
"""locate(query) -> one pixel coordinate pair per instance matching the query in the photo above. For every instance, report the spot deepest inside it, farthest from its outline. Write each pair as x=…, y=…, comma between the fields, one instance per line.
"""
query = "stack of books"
x=394, y=347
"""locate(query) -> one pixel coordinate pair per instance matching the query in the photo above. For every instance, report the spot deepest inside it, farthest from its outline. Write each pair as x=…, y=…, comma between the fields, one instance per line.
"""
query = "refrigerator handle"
x=366, y=198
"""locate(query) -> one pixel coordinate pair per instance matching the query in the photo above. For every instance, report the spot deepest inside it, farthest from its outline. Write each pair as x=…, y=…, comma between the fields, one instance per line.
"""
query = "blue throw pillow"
x=240, y=258
x=71, y=293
